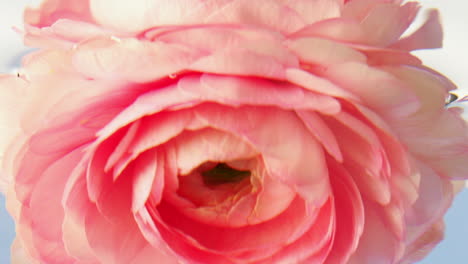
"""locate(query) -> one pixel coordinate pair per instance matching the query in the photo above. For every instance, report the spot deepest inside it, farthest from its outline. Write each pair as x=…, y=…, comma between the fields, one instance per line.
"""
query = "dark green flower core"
x=222, y=174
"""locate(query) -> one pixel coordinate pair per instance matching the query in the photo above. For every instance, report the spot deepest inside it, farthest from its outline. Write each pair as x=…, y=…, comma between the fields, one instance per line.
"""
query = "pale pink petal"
x=322, y=51
x=211, y=38
x=256, y=91
x=365, y=165
x=51, y=10
x=434, y=134
x=113, y=242
x=143, y=14
x=435, y=196
x=317, y=84
x=273, y=198
x=117, y=59
x=338, y=29
x=75, y=240
x=121, y=148
x=298, y=162
x=240, y=62
x=12, y=103
x=160, y=128
x=428, y=36
x=377, y=243
x=385, y=23
x=44, y=204
x=383, y=56
x=322, y=132
x=76, y=204
x=194, y=148
x=58, y=35
x=149, y=254
x=19, y=255
x=424, y=244
x=378, y=89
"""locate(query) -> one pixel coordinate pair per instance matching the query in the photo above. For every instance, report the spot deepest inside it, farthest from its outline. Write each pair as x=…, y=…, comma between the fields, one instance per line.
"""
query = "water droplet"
x=172, y=75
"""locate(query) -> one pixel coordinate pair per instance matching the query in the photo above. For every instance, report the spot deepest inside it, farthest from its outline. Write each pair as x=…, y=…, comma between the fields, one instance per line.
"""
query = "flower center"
x=222, y=173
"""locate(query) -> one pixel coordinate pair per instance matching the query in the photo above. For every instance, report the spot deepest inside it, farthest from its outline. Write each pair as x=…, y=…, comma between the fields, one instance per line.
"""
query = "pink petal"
x=97, y=180
x=349, y=210
x=166, y=239
x=147, y=104
x=146, y=179
x=314, y=244
x=231, y=241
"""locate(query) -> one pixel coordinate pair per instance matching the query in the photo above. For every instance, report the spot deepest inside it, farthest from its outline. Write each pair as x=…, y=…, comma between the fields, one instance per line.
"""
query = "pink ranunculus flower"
x=227, y=132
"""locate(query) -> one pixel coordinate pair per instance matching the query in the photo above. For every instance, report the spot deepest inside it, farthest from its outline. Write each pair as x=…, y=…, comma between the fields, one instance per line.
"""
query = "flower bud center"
x=222, y=173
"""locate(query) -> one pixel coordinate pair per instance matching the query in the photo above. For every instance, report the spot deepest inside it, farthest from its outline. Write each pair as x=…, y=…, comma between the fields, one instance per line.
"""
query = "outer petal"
x=19, y=255
x=12, y=102
x=433, y=133
x=428, y=36
x=377, y=244
x=143, y=14
x=51, y=10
